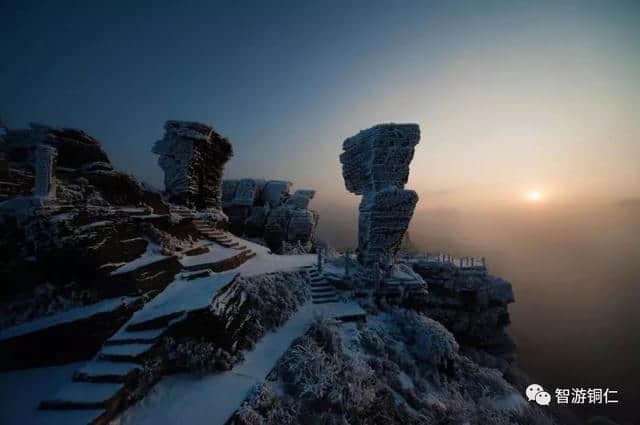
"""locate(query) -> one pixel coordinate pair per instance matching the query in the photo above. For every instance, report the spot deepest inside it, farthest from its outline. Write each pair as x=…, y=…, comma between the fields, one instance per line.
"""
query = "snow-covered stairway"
x=101, y=384
x=321, y=290
x=222, y=238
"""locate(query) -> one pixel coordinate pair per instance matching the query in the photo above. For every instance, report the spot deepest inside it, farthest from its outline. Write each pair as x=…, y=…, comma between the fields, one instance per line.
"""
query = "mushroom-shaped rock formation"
x=375, y=164
x=192, y=156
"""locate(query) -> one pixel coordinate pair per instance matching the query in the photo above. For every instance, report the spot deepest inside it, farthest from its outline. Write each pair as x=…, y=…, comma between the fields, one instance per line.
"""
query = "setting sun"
x=534, y=196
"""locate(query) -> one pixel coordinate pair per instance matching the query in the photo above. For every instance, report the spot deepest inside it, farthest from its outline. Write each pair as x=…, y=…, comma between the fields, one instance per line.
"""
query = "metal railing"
x=461, y=262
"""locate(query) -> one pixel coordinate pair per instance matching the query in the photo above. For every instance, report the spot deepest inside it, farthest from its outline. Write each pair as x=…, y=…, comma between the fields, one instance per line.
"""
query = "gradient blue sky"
x=511, y=96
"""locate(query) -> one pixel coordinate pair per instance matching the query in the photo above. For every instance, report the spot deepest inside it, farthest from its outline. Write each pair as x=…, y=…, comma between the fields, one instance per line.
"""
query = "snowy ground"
x=217, y=253
x=212, y=399
x=65, y=317
x=267, y=263
x=182, y=295
x=22, y=390
x=209, y=399
x=150, y=256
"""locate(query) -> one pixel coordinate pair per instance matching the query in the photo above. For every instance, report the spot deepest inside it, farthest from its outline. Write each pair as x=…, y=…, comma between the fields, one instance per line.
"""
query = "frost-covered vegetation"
x=44, y=300
x=399, y=368
x=240, y=315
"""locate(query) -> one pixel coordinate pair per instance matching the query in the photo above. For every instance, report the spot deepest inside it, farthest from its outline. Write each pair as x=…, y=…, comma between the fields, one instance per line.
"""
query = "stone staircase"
x=223, y=238
x=322, y=291
x=184, y=212
x=100, y=386
x=101, y=383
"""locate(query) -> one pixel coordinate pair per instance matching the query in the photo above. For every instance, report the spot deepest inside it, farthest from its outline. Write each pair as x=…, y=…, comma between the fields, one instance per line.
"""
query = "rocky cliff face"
x=68, y=219
x=192, y=156
x=473, y=305
x=375, y=164
x=266, y=209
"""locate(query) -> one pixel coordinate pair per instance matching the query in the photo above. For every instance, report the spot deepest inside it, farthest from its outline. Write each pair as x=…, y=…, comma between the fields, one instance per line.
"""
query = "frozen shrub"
x=325, y=335
x=309, y=369
x=246, y=415
x=264, y=407
x=400, y=368
x=371, y=341
x=168, y=244
x=431, y=342
x=253, y=305
x=197, y=355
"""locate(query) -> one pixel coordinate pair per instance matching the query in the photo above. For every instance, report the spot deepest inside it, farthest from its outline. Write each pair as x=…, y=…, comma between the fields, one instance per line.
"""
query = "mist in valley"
x=575, y=271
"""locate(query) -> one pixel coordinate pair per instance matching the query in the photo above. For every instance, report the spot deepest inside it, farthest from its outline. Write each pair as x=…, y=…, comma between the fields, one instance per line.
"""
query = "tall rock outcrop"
x=192, y=156
x=375, y=164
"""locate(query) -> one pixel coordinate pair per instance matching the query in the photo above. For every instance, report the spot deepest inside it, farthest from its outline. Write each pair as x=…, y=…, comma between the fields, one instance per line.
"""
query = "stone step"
x=325, y=301
x=106, y=371
x=84, y=395
x=124, y=352
x=215, y=233
x=136, y=337
x=322, y=290
x=316, y=297
x=158, y=322
x=70, y=417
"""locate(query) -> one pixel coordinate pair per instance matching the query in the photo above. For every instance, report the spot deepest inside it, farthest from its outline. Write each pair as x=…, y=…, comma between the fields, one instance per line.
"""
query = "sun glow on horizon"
x=535, y=196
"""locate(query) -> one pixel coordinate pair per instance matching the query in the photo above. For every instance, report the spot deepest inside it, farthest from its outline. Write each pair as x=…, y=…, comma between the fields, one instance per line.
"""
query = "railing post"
x=346, y=263
x=484, y=263
x=319, y=259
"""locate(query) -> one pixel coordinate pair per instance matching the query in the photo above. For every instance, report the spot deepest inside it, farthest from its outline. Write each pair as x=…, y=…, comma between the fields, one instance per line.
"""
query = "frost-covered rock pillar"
x=375, y=164
x=192, y=156
x=45, y=165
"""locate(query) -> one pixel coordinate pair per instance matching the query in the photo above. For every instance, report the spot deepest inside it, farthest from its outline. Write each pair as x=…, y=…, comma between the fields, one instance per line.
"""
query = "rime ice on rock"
x=192, y=156
x=375, y=164
x=75, y=148
x=45, y=165
x=301, y=198
x=266, y=209
x=275, y=192
x=248, y=191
